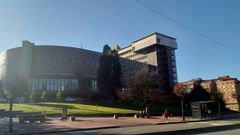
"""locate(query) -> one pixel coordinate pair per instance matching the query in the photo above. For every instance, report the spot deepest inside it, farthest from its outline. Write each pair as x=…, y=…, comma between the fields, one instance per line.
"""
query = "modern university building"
x=74, y=70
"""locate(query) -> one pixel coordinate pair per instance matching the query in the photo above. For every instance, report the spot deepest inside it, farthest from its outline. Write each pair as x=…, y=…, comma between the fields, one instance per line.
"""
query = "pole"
x=182, y=105
x=10, y=126
x=219, y=110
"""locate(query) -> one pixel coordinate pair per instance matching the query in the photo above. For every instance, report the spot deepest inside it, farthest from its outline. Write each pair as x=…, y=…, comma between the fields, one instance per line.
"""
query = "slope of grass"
x=73, y=108
x=89, y=108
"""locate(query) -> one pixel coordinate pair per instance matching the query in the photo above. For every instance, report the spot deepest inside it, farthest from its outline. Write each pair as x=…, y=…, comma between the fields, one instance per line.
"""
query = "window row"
x=132, y=55
x=53, y=84
x=141, y=58
x=126, y=52
x=72, y=61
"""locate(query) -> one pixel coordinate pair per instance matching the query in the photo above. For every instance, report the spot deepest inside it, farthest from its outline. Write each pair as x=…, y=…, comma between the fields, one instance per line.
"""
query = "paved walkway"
x=83, y=123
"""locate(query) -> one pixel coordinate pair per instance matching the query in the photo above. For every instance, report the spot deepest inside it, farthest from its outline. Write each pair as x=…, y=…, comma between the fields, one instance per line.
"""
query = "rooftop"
x=154, y=34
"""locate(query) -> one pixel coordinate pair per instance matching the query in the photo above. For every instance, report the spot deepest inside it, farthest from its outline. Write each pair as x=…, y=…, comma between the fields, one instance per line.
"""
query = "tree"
x=12, y=89
x=198, y=93
x=143, y=89
x=43, y=95
x=218, y=97
x=106, y=50
x=181, y=90
x=116, y=73
x=109, y=74
x=191, y=94
x=43, y=92
x=32, y=96
x=59, y=95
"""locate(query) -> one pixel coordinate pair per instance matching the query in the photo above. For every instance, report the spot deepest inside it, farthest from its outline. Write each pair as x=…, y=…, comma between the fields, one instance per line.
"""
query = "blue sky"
x=93, y=23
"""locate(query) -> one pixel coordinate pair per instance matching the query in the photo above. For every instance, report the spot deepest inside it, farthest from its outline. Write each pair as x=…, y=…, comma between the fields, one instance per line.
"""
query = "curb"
x=62, y=131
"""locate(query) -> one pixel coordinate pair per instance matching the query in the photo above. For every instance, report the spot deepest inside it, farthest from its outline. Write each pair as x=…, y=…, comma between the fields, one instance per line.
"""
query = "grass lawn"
x=87, y=108
x=73, y=108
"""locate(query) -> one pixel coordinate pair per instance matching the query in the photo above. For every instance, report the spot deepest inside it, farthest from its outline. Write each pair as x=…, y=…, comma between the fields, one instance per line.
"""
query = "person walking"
x=166, y=115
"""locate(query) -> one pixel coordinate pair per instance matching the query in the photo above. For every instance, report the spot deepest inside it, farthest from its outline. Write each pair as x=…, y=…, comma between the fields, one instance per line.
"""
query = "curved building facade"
x=52, y=68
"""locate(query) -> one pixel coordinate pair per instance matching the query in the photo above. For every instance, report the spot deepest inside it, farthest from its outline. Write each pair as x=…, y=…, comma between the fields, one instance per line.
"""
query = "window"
x=175, y=81
x=174, y=70
x=174, y=75
x=55, y=83
x=40, y=84
x=173, y=58
x=133, y=48
x=94, y=85
x=32, y=84
x=158, y=40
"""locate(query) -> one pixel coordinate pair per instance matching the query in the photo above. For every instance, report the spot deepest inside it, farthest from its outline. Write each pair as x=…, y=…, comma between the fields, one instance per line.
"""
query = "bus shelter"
x=204, y=109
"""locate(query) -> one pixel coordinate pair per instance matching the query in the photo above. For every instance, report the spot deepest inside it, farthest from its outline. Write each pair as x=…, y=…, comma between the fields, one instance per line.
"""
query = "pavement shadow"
x=198, y=130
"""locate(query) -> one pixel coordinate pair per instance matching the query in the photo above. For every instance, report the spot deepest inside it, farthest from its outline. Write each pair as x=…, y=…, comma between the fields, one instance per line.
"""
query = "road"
x=217, y=127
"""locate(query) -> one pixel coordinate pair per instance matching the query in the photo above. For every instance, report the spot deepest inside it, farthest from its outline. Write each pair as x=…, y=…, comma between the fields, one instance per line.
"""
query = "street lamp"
x=182, y=106
x=185, y=90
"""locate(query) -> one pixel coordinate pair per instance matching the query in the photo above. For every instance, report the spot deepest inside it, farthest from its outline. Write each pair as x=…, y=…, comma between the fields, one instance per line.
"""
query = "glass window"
x=158, y=40
x=29, y=84
x=40, y=84
x=78, y=84
x=70, y=84
x=173, y=58
x=37, y=84
x=45, y=84
x=48, y=84
x=55, y=84
x=73, y=84
x=172, y=52
x=174, y=70
x=175, y=81
x=174, y=75
x=58, y=84
x=33, y=84
x=62, y=84
x=65, y=84
x=94, y=85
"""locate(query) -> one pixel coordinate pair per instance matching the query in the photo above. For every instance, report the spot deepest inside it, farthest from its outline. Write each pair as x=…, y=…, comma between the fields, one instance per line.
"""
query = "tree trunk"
x=10, y=128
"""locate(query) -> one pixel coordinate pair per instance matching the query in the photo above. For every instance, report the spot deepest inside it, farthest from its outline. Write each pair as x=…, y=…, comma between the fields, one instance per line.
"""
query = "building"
x=227, y=86
x=52, y=68
x=74, y=70
x=209, y=85
x=230, y=89
x=156, y=52
x=192, y=83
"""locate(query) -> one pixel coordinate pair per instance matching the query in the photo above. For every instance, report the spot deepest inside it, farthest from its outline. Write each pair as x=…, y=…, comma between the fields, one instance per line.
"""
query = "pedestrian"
x=147, y=112
x=166, y=115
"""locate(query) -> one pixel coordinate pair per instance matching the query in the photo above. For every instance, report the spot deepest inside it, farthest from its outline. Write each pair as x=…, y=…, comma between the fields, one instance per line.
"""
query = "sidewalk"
x=84, y=123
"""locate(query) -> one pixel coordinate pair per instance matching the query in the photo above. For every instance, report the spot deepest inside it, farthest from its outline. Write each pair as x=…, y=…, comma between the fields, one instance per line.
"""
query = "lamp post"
x=219, y=110
x=182, y=106
x=185, y=90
